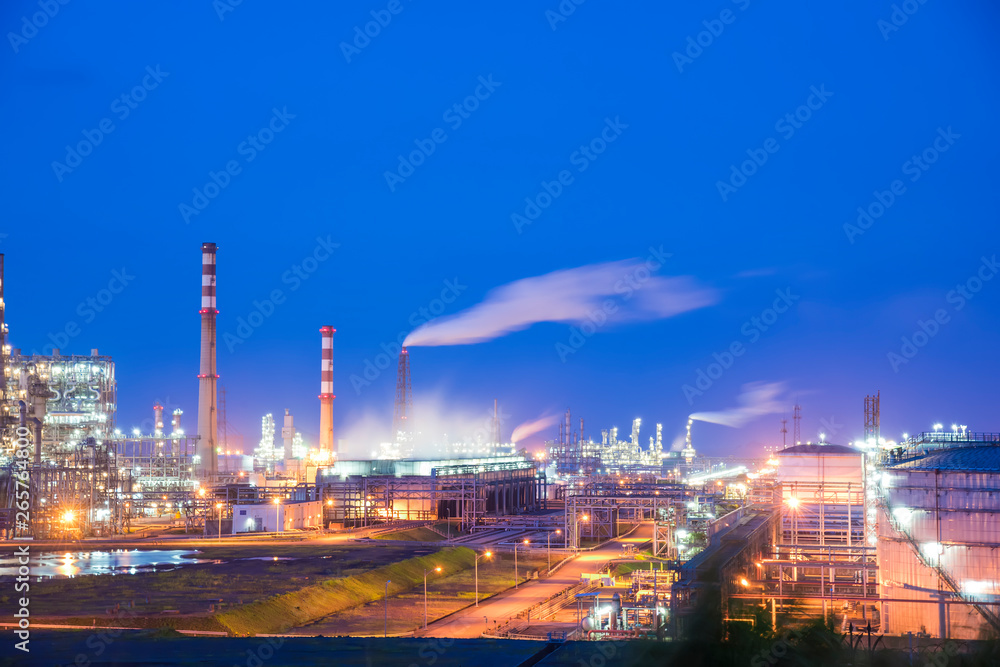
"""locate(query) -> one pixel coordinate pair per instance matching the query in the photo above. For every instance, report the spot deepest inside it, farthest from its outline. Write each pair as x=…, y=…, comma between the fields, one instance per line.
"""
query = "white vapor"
x=522, y=431
x=568, y=295
x=439, y=421
x=756, y=400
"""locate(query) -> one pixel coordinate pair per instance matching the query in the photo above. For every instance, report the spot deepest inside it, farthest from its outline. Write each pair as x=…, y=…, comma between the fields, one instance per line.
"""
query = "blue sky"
x=217, y=77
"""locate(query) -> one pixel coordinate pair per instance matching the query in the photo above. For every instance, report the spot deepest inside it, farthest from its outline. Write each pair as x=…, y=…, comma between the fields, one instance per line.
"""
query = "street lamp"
x=515, y=563
x=485, y=555
x=426, y=572
x=548, y=546
x=277, y=521
x=448, y=510
x=218, y=507
x=585, y=517
x=385, y=631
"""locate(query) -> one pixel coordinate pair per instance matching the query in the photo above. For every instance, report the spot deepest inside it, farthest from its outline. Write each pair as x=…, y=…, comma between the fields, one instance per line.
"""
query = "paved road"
x=469, y=622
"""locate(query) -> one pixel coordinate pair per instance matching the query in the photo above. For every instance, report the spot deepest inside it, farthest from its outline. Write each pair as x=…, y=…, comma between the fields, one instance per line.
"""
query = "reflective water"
x=117, y=561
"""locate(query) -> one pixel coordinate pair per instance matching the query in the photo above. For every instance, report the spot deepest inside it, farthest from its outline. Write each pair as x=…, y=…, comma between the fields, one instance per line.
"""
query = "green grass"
x=419, y=534
x=283, y=612
x=192, y=588
x=624, y=569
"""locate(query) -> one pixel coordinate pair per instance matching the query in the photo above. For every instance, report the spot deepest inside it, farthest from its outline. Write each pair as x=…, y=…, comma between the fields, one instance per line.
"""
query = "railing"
x=552, y=604
x=724, y=522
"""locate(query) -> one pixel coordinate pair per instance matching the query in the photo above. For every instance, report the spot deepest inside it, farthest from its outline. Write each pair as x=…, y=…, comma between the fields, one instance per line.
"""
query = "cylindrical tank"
x=822, y=494
x=939, y=529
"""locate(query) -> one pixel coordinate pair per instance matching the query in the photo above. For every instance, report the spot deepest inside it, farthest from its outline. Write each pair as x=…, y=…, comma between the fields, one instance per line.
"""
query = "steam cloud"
x=526, y=429
x=568, y=295
x=438, y=422
x=756, y=400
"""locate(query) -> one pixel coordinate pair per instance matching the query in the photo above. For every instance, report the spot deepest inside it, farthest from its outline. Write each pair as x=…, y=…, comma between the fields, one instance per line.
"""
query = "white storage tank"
x=939, y=543
x=822, y=494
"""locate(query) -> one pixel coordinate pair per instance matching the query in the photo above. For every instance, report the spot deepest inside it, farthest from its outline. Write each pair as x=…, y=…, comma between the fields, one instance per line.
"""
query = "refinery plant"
x=896, y=536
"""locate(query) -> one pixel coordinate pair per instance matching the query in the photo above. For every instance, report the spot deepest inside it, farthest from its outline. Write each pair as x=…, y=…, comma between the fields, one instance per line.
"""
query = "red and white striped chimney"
x=326, y=392
x=207, y=416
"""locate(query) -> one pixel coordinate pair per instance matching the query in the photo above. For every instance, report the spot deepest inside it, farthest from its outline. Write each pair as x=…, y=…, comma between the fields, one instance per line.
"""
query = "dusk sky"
x=730, y=143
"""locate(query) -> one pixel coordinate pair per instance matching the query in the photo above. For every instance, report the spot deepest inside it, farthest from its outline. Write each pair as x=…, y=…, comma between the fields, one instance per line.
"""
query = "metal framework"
x=819, y=554
x=469, y=493
x=872, y=438
x=796, y=425
x=594, y=510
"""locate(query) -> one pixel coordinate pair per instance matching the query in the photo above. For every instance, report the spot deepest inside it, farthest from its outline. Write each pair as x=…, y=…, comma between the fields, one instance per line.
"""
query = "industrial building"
x=897, y=537
x=359, y=493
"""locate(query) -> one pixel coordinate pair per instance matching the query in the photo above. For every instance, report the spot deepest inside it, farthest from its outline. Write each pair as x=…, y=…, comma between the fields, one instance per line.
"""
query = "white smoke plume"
x=568, y=295
x=756, y=400
x=440, y=423
x=526, y=429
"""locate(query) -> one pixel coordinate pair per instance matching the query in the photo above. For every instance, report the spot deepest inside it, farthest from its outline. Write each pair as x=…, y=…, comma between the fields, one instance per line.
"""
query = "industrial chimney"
x=288, y=435
x=207, y=378
x=158, y=419
x=326, y=392
x=175, y=428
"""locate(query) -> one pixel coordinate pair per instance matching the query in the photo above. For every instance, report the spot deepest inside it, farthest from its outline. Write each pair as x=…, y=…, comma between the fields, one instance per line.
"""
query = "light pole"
x=485, y=555
x=585, y=517
x=548, y=546
x=385, y=631
x=448, y=510
x=426, y=572
x=218, y=506
x=277, y=520
x=515, y=563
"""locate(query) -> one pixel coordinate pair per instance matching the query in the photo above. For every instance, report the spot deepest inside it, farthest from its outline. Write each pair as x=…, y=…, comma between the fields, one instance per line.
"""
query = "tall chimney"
x=175, y=428
x=207, y=379
x=326, y=392
x=157, y=419
x=287, y=435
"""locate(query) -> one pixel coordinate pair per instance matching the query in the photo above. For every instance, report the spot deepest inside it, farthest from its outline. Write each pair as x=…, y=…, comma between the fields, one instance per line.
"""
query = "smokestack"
x=287, y=433
x=326, y=392
x=157, y=419
x=208, y=423
x=175, y=428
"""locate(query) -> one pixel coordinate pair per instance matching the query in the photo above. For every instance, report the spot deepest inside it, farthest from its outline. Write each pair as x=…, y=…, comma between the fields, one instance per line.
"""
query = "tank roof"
x=820, y=448
x=957, y=458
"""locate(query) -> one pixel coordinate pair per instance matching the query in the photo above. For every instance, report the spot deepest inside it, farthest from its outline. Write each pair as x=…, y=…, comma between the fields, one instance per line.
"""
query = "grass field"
x=623, y=569
x=419, y=534
x=282, y=612
x=445, y=595
x=193, y=588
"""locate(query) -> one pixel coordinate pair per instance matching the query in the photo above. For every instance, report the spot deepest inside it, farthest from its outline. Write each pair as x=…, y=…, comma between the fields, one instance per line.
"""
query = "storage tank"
x=822, y=494
x=939, y=531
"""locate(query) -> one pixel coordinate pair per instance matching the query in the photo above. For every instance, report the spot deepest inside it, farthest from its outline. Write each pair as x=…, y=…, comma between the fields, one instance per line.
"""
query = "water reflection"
x=118, y=561
x=67, y=569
